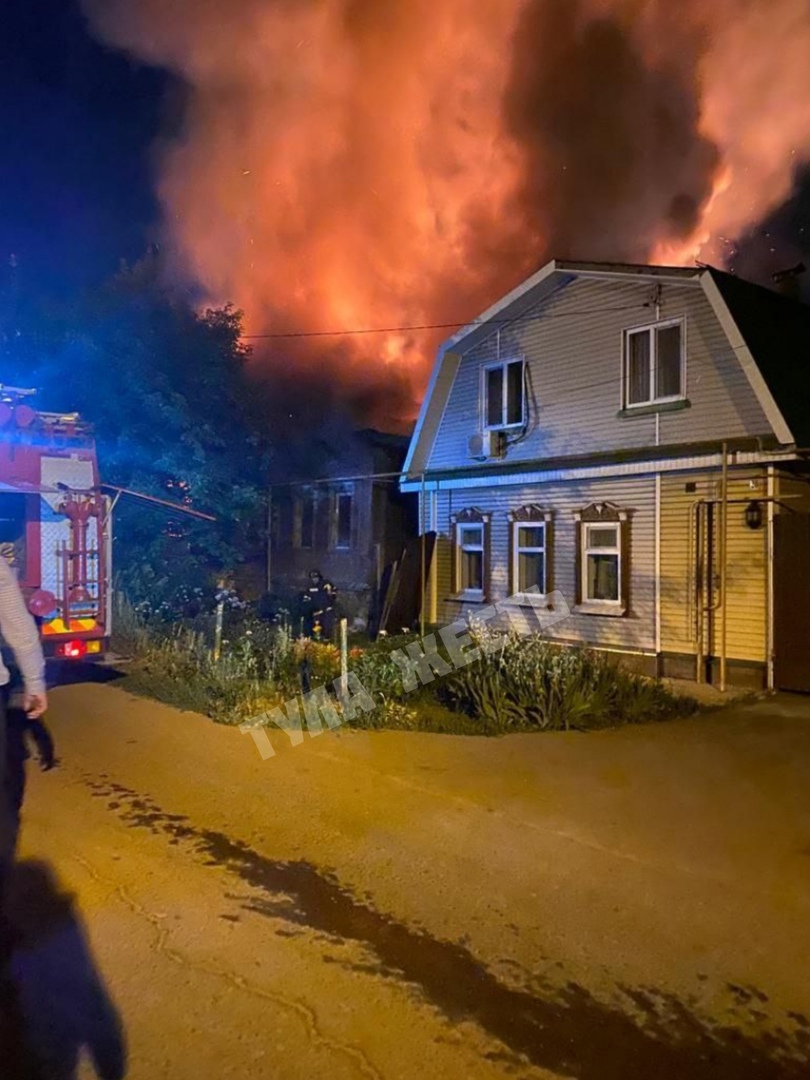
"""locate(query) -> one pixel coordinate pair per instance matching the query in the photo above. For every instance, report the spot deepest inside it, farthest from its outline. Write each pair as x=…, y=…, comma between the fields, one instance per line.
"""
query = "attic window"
x=503, y=395
x=653, y=364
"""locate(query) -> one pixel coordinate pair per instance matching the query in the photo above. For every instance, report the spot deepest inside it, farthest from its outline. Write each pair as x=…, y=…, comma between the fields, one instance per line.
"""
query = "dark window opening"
x=344, y=520
x=307, y=537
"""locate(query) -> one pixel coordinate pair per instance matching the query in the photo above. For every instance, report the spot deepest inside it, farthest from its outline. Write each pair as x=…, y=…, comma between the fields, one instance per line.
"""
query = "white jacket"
x=19, y=631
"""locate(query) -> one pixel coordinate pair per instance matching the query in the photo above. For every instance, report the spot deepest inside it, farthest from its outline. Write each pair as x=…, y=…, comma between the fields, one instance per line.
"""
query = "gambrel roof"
x=776, y=330
x=769, y=333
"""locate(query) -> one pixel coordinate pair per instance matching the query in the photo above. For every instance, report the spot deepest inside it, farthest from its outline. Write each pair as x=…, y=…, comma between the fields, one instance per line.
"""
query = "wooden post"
x=218, y=623
x=344, y=658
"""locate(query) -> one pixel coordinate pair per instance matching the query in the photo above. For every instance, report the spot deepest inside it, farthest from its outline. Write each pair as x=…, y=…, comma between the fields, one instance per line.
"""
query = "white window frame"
x=651, y=329
x=587, y=549
x=480, y=527
x=503, y=365
x=529, y=523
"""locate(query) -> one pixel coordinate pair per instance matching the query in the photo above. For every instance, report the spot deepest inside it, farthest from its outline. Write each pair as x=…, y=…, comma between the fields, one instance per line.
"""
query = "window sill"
x=532, y=600
x=595, y=607
x=469, y=597
x=653, y=407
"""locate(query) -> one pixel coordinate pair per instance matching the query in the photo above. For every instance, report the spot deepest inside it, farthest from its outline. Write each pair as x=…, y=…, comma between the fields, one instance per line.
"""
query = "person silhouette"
x=54, y=1005
x=318, y=606
x=19, y=637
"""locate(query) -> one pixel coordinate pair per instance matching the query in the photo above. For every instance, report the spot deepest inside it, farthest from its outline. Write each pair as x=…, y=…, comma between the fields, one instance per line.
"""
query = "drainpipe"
x=433, y=577
x=423, y=523
x=700, y=571
x=724, y=571
x=771, y=515
x=658, y=573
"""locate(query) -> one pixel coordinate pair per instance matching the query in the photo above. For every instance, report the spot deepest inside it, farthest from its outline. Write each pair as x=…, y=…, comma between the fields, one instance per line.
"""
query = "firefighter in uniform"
x=318, y=603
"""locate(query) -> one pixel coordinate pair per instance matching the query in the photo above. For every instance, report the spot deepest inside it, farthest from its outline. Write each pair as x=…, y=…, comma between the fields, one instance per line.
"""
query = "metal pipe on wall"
x=658, y=573
x=423, y=524
x=724, y=571
x=699, y=575
x=771, y=493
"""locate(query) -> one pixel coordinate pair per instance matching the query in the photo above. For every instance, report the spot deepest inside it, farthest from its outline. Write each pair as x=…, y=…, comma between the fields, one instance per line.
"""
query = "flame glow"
x=352, y=164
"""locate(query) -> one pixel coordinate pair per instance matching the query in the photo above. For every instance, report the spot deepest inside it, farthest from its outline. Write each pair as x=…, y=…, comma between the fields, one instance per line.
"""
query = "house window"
x=306, y=519
x=504, y=394
x=602, y=555
x=601, y=563
x=470, y=540
x=529, y=553
x=530, y=557
x=653, y=364
x=470, y=553
x=343, y=520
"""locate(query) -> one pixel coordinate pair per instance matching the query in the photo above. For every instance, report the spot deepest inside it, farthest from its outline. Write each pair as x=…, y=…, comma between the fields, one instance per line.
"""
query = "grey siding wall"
x=635, y=630
x=573, y=346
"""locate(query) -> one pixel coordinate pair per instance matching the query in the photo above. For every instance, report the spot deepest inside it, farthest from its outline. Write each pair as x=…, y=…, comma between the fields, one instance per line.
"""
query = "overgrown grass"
x=518, y=684
x=529, y=684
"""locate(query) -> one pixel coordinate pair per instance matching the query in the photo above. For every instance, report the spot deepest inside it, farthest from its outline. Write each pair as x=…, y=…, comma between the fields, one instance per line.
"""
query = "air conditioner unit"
x=486, y=444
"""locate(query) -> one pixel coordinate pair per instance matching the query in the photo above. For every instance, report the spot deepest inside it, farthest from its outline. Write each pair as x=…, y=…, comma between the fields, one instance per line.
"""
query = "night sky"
x=80, y=123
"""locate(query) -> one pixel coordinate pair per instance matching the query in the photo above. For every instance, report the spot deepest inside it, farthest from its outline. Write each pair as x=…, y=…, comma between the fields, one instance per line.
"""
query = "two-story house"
x=635, y=437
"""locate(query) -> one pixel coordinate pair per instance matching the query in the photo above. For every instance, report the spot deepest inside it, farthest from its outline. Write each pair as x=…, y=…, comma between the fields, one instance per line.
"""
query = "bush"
x=527, y=683
x=518, y=684
x=376, y=670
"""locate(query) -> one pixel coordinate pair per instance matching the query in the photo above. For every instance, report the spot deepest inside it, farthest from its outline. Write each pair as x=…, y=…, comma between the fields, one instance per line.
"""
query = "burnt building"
x=342, y=514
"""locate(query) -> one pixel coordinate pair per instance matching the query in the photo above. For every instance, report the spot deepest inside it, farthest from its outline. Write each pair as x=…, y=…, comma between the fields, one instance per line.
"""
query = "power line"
x=434, y=326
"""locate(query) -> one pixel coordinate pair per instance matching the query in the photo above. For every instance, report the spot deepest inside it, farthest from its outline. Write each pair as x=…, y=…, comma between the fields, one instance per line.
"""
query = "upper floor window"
x=504, y=398
x=653, y=364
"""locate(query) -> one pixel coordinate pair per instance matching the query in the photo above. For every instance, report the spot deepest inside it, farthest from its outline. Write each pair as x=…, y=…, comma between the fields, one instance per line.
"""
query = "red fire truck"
x=55, y=525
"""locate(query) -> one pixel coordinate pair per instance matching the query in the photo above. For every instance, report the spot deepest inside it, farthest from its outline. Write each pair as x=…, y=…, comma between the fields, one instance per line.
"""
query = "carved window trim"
x=473, y=520
x=529, y=514
x=589, y=519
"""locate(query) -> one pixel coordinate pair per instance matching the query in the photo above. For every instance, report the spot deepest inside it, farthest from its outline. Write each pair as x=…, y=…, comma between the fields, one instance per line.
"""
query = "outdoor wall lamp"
x=753, y=515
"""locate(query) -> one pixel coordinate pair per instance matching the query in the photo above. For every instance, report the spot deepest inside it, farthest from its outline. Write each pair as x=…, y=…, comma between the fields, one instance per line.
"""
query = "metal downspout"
x=724, y=571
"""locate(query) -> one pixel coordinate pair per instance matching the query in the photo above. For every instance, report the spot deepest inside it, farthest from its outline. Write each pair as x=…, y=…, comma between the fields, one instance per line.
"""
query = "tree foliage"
x=166, y=389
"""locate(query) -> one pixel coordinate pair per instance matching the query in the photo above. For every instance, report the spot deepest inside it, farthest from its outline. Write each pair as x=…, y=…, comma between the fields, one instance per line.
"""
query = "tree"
x=166, y=389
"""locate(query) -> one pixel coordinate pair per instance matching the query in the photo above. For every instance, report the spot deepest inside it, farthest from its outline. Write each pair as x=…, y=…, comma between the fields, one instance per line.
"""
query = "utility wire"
x=436, y=326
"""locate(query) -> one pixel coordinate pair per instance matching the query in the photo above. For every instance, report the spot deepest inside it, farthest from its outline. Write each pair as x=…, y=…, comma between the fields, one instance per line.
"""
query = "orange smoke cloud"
x=351, y=164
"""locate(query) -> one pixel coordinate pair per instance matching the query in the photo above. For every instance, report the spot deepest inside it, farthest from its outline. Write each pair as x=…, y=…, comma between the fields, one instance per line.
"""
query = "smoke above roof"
x=355, y=165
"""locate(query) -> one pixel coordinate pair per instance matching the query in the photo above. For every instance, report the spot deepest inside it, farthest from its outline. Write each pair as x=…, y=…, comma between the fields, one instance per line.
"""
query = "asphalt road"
x=627, y=904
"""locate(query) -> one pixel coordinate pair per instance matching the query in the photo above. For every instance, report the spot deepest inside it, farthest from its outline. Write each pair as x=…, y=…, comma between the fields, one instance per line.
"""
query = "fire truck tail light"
x=75, y=650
